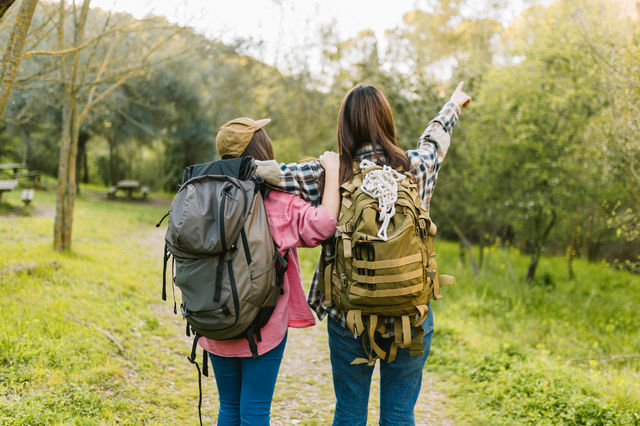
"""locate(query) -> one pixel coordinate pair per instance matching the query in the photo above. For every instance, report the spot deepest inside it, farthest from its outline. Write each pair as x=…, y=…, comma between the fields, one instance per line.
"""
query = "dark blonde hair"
x=260, y=147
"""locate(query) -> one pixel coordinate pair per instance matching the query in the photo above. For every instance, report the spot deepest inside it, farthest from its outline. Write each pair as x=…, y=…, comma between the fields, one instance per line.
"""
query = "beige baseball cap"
x=234, y=136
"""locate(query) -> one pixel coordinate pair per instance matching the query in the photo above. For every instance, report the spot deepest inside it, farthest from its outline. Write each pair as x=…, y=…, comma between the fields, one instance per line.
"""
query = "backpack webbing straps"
x=354, y=322
x=416, y=348
x=373, y=322
x=173, y=284
x=192, y=360
x=406, y=332
x=165, y=260
x=393, y=352
x=327, y=285
x=433, y=273
x=282, y=262
x=346, y=246
x=253, y=347
x=424, y=311
x=205, y=363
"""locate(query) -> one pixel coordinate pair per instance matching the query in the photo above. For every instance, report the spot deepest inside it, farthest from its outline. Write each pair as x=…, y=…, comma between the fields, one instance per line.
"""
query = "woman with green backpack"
x=366, y=135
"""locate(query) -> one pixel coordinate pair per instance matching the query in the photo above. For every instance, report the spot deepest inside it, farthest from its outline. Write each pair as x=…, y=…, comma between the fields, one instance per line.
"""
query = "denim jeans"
x=399, y=381
x=246, y=385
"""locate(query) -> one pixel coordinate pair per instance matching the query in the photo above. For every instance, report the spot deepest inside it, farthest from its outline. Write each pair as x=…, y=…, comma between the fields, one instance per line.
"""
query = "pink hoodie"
x=293, y=223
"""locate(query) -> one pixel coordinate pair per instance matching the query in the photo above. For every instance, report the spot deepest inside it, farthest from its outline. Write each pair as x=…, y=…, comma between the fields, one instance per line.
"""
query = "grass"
x=555, y=352
x=54, y=368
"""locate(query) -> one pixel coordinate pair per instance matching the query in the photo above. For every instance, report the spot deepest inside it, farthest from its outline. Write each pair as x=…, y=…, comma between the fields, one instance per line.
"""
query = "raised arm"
x=439, y=130
x=434, y=144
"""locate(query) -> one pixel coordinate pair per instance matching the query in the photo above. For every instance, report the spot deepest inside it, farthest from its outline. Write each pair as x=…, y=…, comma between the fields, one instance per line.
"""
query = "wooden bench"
x=27, y=196
x=7, y=185
x=14, y=167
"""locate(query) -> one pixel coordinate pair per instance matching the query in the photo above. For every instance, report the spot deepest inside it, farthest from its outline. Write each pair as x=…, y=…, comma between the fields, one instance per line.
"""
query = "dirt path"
x=304, y=391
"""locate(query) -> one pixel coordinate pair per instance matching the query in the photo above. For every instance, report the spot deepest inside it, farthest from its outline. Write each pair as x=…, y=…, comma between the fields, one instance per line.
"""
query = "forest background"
x=546, y=161
x=547, y=158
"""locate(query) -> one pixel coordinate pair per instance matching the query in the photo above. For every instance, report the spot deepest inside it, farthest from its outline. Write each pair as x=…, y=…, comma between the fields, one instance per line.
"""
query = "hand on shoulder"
x=330, y=162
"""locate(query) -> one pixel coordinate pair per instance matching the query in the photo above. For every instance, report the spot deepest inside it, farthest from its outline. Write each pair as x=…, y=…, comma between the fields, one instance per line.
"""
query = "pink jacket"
x=293, y=223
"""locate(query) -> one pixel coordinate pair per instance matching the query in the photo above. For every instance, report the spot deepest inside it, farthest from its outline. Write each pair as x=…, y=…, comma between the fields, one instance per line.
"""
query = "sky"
x=281, y=26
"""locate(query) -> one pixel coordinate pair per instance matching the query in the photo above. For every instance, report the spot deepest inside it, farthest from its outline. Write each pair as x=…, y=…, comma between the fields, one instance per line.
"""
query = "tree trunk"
x=464, y=242
x=13, y=52
x=62, y=199
x=70, y=131
x=66, y=174
x=539, y=248
x=112, y=162
x=81, y=160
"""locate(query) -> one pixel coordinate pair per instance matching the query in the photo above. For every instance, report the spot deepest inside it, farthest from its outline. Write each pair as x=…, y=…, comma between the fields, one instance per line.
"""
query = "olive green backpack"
x=375, y=274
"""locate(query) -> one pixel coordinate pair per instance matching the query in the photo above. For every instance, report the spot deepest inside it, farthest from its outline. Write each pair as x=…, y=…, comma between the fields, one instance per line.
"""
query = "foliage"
x=545, y=159
x=56, y=369
x=558, y=352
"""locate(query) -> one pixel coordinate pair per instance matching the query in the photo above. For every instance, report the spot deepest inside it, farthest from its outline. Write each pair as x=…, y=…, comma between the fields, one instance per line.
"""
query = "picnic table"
x=128, y=186
x=14, y=167
x=7, y=185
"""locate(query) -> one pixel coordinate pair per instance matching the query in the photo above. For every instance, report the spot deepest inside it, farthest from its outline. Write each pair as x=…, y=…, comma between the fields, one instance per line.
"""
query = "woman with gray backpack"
x=233, y=242
x=376, y=277
x=246, y=384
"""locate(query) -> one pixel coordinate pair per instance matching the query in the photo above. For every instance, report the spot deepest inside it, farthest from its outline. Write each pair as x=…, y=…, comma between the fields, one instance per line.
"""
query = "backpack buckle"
x=423, y=225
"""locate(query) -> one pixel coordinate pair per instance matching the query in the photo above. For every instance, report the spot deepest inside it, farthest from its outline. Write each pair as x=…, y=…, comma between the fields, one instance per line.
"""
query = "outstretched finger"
x=459, y=88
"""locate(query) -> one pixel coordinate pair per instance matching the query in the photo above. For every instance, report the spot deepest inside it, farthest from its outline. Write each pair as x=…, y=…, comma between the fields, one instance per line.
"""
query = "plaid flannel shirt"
x=307, y=179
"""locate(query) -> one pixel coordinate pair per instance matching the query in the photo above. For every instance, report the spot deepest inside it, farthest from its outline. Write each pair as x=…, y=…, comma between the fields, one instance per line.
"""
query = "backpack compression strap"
x=205, y=371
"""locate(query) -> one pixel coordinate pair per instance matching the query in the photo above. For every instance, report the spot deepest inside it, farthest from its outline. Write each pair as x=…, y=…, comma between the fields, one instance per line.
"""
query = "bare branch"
x=105, y=62
x=101, y=330
x=127, y=76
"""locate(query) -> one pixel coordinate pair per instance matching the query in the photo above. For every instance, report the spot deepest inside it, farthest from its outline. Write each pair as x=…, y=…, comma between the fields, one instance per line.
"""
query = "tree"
x=91, y=66
x=13, y=52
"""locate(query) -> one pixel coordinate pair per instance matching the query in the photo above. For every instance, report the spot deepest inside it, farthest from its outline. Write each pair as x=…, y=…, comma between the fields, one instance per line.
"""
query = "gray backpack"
x=224, y=260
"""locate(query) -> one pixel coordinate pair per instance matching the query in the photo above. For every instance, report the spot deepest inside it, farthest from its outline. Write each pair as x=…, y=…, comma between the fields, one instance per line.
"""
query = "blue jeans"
x=246, y=385
x=399, y=381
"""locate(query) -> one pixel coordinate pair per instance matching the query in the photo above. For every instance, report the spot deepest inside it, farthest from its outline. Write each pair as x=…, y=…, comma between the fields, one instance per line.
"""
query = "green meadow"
x=86, y=339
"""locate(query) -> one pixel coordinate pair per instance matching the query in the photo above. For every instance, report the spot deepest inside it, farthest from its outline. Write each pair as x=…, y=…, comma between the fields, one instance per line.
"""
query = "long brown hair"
x=365, y=117
x=260, y=146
